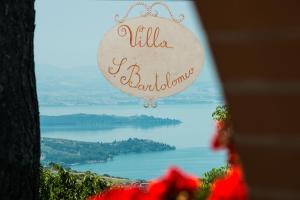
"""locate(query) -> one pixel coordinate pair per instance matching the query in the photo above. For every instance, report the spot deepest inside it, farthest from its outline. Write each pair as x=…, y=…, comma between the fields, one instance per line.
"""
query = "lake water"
x=147, y=166
x=191, y=137
x=195, y=131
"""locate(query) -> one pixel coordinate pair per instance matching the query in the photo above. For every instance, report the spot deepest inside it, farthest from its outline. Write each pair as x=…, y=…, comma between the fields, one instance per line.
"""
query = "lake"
x=147, y=166
x=191, y=138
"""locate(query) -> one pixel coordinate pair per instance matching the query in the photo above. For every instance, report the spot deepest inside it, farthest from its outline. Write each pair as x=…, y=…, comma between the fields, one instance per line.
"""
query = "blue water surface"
x=191, y=138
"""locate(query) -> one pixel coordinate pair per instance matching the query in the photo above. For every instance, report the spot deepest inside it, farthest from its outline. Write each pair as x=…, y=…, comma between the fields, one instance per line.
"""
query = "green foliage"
x=221, y=113
x=207, y=180
x=57, y=183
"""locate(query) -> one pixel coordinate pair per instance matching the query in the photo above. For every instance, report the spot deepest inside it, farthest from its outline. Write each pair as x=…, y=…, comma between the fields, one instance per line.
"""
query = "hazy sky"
x=68, y=32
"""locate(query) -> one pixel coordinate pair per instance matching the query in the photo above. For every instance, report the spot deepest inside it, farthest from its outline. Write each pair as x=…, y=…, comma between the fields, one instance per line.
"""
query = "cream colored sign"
x=150, y=57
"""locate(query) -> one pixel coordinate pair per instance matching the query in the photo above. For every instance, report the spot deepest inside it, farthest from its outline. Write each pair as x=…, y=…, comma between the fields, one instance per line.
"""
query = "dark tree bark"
x=19, y=116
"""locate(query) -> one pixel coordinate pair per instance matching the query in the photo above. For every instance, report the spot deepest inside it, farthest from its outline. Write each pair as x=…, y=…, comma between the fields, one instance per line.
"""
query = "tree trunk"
x=19, y=116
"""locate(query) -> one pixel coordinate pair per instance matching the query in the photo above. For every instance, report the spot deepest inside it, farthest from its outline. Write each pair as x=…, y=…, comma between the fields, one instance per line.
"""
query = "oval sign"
x=150, y=57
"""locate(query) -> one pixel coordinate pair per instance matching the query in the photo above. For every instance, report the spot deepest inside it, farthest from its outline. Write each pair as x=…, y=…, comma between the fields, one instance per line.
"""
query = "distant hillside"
x=69, y=152
x=102, y=122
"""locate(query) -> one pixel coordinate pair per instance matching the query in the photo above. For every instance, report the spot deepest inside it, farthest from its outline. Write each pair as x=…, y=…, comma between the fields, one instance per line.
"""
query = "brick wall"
x=256, y=46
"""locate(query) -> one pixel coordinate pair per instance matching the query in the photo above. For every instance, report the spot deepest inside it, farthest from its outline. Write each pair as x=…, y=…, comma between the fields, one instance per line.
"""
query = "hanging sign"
x=149, y=56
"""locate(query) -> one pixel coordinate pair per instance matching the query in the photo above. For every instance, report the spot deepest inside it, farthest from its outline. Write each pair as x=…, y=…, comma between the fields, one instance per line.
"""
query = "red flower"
x=231, y=187
x=172, y=185
x=222, y=139
x=121, y=193
x=219, y=140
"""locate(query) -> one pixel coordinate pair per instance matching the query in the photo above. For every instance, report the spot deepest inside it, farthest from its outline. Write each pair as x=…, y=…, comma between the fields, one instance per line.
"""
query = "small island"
x=81, y=122
x=70, y=152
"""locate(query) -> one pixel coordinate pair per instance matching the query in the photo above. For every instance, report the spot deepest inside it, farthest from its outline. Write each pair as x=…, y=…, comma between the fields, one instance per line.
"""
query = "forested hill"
x=69, y=152
x=102, y=122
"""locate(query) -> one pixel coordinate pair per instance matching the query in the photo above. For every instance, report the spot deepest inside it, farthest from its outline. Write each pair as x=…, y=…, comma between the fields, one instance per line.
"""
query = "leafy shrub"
x=207, y=180
x=58, y=183
x=221, y=113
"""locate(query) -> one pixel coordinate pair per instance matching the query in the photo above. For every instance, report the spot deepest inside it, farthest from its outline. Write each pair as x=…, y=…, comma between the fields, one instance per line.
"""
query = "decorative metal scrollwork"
x=149, y=11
